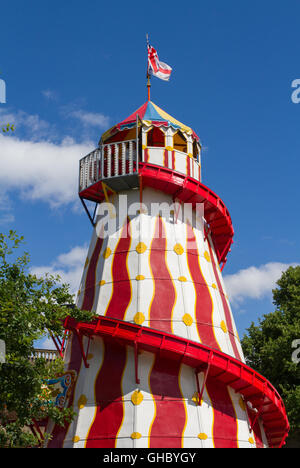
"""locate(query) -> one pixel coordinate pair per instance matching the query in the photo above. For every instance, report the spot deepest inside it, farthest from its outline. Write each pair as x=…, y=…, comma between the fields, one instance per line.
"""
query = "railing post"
x=130, y=157
x=108, y=160
x=102, y=161
x=116, y=159
x=123, y=158
x=137, y=144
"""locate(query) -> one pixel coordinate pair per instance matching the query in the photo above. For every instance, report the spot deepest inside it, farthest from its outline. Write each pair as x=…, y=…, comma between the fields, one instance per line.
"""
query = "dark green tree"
x=271, y=346
x=30, y=308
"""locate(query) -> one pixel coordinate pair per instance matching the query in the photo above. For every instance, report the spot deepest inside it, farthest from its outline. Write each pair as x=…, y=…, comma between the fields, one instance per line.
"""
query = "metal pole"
x=148, y=74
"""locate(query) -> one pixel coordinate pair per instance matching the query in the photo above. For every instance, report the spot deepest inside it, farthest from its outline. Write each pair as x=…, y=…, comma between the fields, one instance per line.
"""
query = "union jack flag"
x=155, y=67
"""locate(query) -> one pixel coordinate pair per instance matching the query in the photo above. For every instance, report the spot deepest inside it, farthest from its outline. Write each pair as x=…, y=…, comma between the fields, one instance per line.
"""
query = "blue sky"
x=73, y=69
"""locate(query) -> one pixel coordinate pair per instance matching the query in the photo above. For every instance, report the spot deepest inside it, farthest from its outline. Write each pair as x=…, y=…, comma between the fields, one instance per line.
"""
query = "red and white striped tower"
x=161, y=365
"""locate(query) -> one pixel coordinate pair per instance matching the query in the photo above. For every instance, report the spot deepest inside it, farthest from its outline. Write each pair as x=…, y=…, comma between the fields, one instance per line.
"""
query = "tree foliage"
x=30, y=307
x=268, y=346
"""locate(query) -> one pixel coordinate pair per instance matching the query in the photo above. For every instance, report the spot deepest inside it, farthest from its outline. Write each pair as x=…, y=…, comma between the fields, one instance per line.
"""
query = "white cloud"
x=69, y=266
x=41, y=170
x=90, y=118
x=254, y=282
x=50, y=94
x=31, y=124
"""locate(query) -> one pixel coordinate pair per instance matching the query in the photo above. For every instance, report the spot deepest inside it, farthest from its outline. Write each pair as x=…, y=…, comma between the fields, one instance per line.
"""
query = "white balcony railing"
x=108, y=161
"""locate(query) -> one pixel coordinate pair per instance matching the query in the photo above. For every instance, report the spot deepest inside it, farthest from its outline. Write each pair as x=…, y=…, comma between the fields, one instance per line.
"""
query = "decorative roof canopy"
x=150, y=114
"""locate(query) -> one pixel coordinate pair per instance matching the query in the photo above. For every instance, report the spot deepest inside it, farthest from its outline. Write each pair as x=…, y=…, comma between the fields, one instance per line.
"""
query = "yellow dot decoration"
x=86, y=262
x=202, y=436
x=182, y=279
x=207, y=256
x=224, y=327
x=82, y=401
x=187, y=319
x=141, y=248
x=76, y=439
x=140, y=277
x=195, y=398
x=251, y=440
x=136, y=435
x=214, y=286
x=242, y=404
x=178, y=249
x=169, y=148
x=90, y=356
x=137, y=397
x=102, y=282
x=107, y=252
x=79, y=292
x=139, y=318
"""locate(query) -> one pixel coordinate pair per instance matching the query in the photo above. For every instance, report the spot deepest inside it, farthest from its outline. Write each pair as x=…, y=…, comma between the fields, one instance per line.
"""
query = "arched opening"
x=179, y=142
x=123, y=135
x=196, y=150
x=156, y=137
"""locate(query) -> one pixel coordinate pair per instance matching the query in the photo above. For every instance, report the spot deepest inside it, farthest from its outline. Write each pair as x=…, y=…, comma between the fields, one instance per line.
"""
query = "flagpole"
x=148, y=74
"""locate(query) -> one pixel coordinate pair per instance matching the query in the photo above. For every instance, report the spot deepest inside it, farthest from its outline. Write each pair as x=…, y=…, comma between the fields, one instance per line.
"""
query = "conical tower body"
x=161, y=365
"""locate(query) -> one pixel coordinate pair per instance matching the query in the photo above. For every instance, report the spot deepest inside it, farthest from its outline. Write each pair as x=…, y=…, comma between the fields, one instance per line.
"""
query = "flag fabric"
x=156, y=67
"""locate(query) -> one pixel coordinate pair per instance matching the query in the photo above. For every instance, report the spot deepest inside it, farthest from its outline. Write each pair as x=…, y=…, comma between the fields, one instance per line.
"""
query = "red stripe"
x=164, y=70
x=166, y=158
x=108, y=392
x=204, y=305
x=225, y=306
x=90, y=282
x=225, y=423
x=170, y=418
x=164, y=291
x=173, y=159
x=121, y=295
x=188, y=169
x=59, y=433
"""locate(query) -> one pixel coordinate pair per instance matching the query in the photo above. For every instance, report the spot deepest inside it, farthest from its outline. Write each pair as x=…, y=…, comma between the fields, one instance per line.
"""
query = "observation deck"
x=161, y=154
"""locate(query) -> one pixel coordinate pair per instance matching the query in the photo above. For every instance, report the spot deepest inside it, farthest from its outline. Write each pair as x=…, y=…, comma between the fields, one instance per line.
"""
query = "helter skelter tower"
x=161, y=365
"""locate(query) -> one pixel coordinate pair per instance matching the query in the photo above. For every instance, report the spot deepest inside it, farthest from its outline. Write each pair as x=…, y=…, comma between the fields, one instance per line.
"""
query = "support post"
x=84, y=357
x=136, y=362
x=206, y=372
